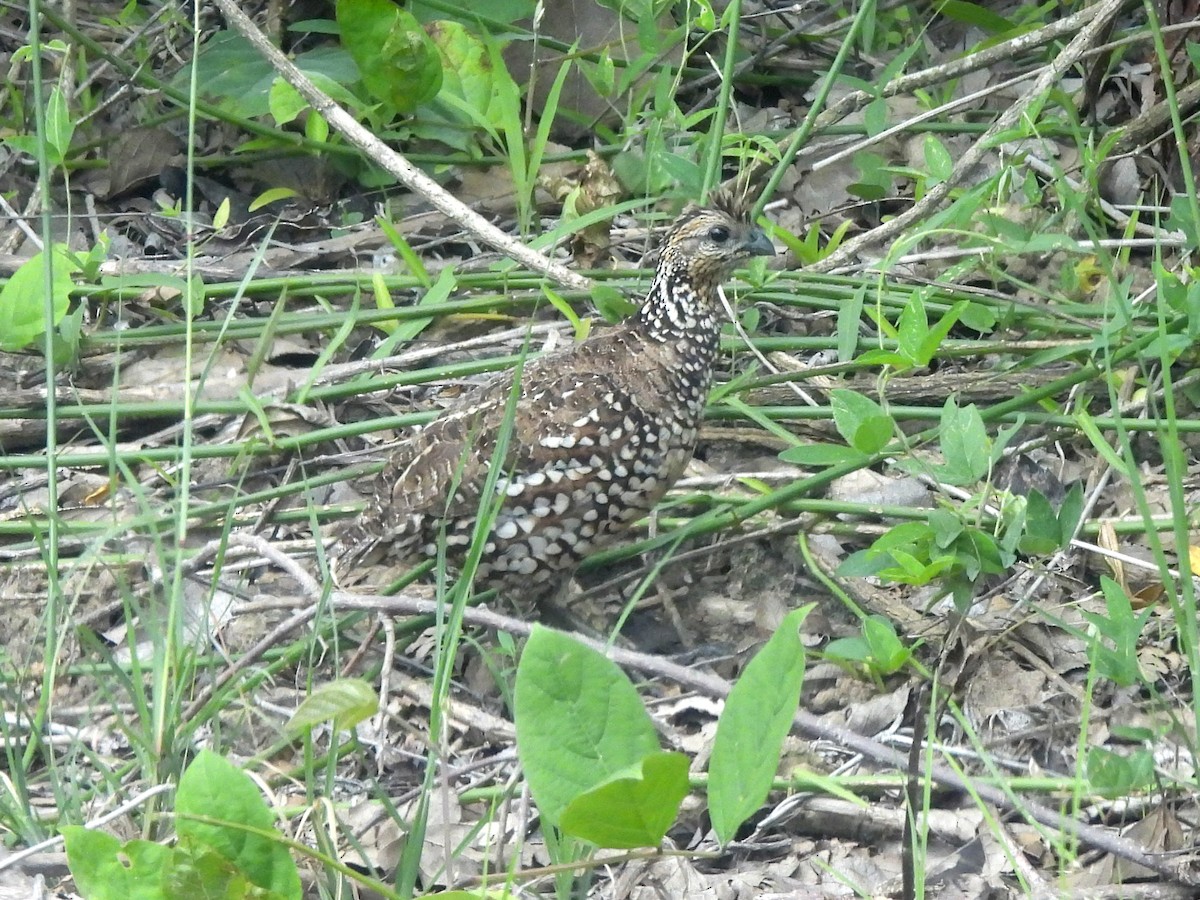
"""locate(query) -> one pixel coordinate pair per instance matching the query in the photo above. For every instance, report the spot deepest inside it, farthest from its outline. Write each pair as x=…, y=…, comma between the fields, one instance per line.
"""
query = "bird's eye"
x=718, y=234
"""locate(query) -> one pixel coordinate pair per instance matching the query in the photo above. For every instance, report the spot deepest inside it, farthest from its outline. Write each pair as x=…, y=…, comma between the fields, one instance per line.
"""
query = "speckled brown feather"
x=599, y=432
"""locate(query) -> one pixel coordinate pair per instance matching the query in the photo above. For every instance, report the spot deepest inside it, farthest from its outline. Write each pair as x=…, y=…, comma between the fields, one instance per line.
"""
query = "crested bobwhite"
x=598, y=433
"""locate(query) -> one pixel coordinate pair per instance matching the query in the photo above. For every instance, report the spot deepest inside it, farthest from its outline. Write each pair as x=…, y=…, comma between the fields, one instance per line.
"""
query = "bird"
x=586, y=445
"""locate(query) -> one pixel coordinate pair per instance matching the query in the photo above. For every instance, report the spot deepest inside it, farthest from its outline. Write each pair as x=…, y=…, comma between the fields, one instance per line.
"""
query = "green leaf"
x=757, y=717
x=232, y=71
x=1042, y=534
x=611, y=303
x=285, y=102
x=978, y=317
x=467, y=69
x=397, y=61
x=68, y=337
x=861, y=421
x=22, y=303
x=104, y=869
x=848, y=649
x=929, y=344
x=1113, y=650
x=408, y=329
x=1115, y=775
x=196, y=872
x=1092, y=431
x=888, y=652
x=862, y=564
x=59, y=127
x=221, y=216
x=634, y=809
x=214, y=788
x=880, y=357
x=938, y=162
x=848, y=324
x=194, y=296
x=1070, y=513
x=580, y=325
x=974, y=14
x=270, y=196
x=912, y=328
x=345, y=702
x=412, y=259
x=966, y=447
x=946, y=527
x=579, y=721
x=1181, y=219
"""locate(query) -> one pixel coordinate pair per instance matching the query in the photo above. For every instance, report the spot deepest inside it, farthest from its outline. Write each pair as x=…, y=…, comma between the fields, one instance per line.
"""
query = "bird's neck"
x=680, y=308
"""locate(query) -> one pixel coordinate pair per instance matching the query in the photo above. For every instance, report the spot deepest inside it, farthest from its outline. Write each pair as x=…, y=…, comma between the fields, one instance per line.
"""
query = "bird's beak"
x=758, y=244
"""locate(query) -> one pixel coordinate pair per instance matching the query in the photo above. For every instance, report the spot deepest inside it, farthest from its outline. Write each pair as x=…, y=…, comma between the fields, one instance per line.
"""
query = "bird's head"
x=708, y=242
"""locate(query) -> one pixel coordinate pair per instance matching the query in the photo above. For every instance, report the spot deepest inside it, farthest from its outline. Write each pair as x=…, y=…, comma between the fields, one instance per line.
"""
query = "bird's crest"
x=734, y=203
x=726, y=199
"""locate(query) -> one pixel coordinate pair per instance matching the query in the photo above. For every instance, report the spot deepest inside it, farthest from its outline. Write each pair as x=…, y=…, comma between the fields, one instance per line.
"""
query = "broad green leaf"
x=345, y=702
x=59, y=127
x=1069, y=514
x=214, y=788
x=862, y=564
x=105, y=869
x=197, y=872
x=1116, y=775
x=1042, y=534
x=861, y=421
x=978, y=317
x=974, y=14
x=912, y=328
x=887, y=650
x=929, y=345
x=634, y=809
x=1181, y=219
x=232, y=71
x=285, y=102
x=22, y=303
x=884, y=358
x=849, y=649
x=579, y=721
x=945, y=526
x=938, y=162
x=966, y=447
x=611, y=303
x=398, y=62
x=194, y=296
x=757, y=717
x=505, y=11
x=1114, y=647
x=315, y=127
x=467, y=69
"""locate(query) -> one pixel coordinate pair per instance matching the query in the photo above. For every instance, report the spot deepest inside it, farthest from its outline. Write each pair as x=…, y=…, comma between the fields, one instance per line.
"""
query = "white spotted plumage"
x=599, y=432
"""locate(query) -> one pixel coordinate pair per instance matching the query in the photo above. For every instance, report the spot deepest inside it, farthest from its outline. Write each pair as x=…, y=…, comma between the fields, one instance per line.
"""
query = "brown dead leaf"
x=1158, y=832
x=280, y=419
x=598, y=188
x=1107, y=538
x=138, y=157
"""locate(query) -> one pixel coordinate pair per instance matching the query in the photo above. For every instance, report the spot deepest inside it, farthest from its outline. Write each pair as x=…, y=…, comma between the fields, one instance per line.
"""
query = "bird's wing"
x=572, y=423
